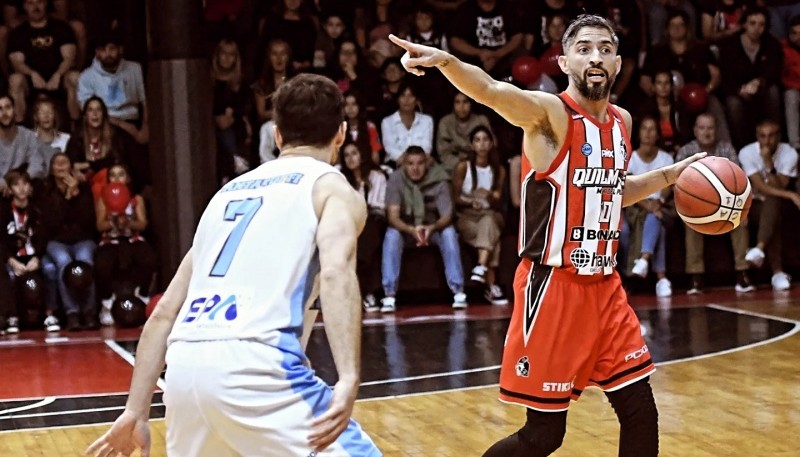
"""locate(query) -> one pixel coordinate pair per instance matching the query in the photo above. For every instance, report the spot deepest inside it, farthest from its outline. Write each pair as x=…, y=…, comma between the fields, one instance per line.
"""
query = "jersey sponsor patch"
x=598, y=177
x=214, y=309
x=582, y=258
x=584, y=234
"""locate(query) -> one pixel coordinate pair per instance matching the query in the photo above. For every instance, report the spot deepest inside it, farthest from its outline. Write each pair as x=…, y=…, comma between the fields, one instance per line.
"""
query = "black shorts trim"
x=527, y=397
x=622, y=374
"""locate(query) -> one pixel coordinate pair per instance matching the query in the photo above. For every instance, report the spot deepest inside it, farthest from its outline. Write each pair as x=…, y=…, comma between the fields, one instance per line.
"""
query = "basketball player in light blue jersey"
x=231, y=321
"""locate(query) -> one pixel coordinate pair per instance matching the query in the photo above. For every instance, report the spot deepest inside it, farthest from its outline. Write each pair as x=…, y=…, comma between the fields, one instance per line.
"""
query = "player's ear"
x=341, y=134
x=562, y=62
x=278, y=137
x=618, y=63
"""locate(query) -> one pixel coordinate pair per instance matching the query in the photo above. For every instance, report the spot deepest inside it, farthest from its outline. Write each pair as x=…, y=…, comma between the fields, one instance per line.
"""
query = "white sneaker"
x=12, y=325
x=387, y=305
x=105, y=316
x=51, y=324
x=370, y=305
x=460, y=300
x=755, y=256
x=663, y=288
x=478, y=274
x=781, y=281
x=640, y=268
x=144, y=298
x=495, y=295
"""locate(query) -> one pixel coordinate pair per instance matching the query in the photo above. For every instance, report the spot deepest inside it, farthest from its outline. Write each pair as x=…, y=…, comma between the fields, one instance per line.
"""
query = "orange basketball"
x=713, y=196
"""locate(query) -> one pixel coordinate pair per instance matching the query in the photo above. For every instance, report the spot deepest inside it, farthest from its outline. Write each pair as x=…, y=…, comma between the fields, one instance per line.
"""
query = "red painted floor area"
x=64, y=364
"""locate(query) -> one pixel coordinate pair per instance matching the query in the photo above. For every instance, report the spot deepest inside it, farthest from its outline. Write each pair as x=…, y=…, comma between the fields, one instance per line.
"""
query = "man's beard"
x=110, y=65
x=595, y=92
x=8, y=125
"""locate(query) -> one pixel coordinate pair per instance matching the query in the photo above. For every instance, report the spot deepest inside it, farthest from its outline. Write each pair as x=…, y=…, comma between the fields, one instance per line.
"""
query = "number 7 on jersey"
x=246, y=208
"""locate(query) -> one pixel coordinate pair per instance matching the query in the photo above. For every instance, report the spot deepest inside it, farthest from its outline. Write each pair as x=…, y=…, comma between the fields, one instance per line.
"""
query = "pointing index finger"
x=400, y=42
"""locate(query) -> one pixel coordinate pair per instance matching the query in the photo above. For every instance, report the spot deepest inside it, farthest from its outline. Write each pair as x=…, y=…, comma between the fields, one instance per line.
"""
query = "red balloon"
x=116, y=197
x=526, y=70
x=549, y=60
x=694, y=97
x=151, y=305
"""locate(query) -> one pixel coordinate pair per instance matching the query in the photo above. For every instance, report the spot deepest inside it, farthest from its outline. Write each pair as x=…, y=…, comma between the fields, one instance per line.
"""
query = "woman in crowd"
x=361, y=130
x=478, y=183
x=365, y=176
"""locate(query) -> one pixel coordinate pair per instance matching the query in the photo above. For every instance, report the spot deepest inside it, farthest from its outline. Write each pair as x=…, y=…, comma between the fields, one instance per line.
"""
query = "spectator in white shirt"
x=769, y=164
x=406, y=127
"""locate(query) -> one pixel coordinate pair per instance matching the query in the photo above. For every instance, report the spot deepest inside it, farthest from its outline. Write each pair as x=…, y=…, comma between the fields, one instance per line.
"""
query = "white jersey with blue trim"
x=254, y=258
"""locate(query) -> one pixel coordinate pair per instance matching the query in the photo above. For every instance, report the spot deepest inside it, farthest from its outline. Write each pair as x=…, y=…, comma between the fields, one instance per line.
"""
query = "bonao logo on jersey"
x=209, y=308
x=584, y=234
x=581, y=258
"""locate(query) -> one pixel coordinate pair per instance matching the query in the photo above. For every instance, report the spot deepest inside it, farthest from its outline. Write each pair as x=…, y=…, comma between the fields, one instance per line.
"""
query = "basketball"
x=713, y=195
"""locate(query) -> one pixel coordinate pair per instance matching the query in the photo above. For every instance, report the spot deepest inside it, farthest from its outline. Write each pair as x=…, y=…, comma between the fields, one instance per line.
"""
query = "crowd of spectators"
x=434, y=166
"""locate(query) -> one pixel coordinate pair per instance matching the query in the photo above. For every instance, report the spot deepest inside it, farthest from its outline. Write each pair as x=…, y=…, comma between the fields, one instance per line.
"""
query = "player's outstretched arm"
x=131, y=431
x=519, y=107
x=342, y=213
x=639, y=187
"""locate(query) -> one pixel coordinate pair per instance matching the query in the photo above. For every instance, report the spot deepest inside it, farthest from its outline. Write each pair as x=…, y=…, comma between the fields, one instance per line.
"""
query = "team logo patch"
x=523, y=367
x=586, y=149
x=624, y=149
x=582, y=258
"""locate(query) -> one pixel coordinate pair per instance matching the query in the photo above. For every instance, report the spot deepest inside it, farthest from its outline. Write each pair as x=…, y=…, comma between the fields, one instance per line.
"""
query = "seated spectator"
x=487, y=33
x=659, y=10
x=419, y=210
x=45, y=125
x=478, y=184
x=705, y=140
x=379, y=19
x=770, y=165
x=42, y=53
x=689, y=61
x=123, y=252
x=406, y=127
x=120, y=84
x=663, y=107
x=332, y=32
x=23, y=242
x=351, y=73
x=721, y=19
x=452, y=138
x=790, y=77
x=751, y=62
x=433, y=84
x=781, y=13
x=19, y=145
x=548, y=51
x=70, y=226
x=393, y=76
x=233, y=131
x=95, y=146
x=292, y=22
x=276, y=71
x=362, y=131
x=365, y=177
x=648, y=220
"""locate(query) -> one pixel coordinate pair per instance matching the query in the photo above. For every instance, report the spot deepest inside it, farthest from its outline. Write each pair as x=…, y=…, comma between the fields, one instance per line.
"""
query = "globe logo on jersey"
x=209, y=308
x=580, y=257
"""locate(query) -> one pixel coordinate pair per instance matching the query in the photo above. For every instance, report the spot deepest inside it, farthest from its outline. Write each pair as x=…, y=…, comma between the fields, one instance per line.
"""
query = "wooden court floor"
x=741, y=403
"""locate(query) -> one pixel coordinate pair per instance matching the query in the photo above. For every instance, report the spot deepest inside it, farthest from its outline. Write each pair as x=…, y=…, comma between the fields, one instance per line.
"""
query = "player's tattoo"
x=445, y=63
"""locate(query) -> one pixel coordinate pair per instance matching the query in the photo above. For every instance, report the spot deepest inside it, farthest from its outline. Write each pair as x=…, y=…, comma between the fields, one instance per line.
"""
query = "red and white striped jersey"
x=571, y=213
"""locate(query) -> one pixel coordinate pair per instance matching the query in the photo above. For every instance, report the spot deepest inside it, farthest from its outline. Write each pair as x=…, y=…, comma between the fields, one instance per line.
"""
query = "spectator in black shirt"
x=42, y=53
x=486, y=33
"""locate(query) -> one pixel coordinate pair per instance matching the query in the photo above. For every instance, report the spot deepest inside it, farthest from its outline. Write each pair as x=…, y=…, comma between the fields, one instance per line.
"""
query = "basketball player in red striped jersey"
x=571, y=327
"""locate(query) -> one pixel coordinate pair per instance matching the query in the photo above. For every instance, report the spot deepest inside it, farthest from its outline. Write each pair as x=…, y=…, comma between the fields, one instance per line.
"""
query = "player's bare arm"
x=130, y=431
x=539, y=114
x=342, y=214
x=639, y=187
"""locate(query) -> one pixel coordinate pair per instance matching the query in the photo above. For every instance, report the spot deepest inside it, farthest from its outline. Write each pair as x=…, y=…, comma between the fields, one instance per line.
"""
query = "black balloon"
x=128, y=311
x=78, y=276
x=30, y=292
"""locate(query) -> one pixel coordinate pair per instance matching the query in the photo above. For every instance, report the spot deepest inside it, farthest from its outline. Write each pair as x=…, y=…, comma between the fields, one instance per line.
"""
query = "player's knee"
x=543, y=432
x=634, y=404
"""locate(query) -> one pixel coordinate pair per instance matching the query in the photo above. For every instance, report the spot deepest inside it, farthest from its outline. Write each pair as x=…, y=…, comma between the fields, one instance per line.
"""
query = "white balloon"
x=544, y=84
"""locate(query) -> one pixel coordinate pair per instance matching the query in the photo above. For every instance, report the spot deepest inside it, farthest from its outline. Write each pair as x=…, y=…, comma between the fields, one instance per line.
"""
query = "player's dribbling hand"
x=678, y=167
x=329, y=425
x=129, y=432
x=418, y=55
